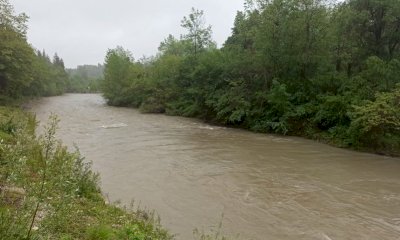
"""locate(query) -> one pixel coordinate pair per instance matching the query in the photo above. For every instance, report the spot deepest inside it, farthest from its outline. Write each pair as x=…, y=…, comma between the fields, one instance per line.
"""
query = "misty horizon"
x=81, y=32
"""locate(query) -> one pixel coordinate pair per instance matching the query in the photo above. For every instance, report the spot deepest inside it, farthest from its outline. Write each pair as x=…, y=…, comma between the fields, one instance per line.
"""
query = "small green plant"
x=99, y=233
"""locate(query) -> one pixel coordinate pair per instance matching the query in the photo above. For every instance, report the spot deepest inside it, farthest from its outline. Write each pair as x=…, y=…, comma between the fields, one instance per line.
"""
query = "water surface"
x=266, y=186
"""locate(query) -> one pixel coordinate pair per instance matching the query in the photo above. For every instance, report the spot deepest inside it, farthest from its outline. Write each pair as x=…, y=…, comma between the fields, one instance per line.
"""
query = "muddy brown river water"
x=265, y=186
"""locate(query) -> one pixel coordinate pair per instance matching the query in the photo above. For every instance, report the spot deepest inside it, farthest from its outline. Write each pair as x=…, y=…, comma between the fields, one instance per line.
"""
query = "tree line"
x=321, y=69
x=47, y=192
x=25, y=71
x=85, y=79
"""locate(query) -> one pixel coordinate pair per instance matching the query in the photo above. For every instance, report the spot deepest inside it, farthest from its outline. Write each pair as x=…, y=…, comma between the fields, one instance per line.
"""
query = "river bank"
x=192, y=173
x=319, y=136
x=47, y=192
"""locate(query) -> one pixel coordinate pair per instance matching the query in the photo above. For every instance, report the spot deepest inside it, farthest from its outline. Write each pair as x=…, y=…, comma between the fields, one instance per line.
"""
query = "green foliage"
x=85, y=79
x=10, y=21
x=290, y=66
x=16, y=57
x=22, y=72
x=377, y=123
x=118, y=70
x=198, y=35
x=275, y=115
x=231, y=106
x=332, y=111
x=174, y=47
x=99, y=233
x=50, y=78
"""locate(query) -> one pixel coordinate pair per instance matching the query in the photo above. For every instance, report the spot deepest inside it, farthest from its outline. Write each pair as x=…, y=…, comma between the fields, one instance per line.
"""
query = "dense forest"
x=321, y=69
x=85, y=79
x=28, y=72
x=25, y=71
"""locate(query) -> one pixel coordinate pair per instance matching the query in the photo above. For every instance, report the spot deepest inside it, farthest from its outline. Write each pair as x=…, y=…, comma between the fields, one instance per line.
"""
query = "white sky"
x=81, y=31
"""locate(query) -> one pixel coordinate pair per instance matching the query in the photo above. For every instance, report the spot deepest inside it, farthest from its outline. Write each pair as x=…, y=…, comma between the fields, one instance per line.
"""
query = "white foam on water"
x=207, y=127
x=116, y=125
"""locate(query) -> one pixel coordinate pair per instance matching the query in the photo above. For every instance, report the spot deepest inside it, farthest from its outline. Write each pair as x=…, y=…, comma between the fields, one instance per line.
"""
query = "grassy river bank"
x=47, y=192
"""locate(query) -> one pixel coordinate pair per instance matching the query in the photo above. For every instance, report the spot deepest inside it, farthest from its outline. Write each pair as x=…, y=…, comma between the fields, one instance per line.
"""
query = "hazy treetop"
x=82, y=31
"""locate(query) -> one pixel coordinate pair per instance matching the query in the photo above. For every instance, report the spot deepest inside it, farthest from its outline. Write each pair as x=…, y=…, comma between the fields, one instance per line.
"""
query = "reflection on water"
x=267, y=187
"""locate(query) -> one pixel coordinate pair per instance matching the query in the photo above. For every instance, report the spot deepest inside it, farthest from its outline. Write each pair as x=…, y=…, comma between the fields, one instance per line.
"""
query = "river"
x=264, y=186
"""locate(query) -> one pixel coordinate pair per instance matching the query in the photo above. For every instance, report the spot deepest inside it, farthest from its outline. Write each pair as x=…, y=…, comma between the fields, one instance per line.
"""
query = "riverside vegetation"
x=47, y=192
x=85, y=79
x=326, y=70
x=299, y=67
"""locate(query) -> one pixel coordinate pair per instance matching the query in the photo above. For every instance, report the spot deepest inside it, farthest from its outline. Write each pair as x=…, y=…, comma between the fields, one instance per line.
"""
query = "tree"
x=10, y=21
x=58, y=62
x=366, y=28
x=377, y=23
x=16, y=55
x=23, y=70
x=173, y=46
x=199, y=35
x=117, y=75
x=48, y=78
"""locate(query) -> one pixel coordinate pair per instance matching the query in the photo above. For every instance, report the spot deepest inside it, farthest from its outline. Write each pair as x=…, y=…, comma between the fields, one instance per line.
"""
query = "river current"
x=260, y=186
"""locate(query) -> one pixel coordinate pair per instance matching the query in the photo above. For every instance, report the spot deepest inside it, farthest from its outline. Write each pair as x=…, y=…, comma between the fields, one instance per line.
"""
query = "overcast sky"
x=81, y=31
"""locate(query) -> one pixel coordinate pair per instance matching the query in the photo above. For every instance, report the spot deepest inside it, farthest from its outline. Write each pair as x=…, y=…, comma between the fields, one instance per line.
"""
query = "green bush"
x=376, y=123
